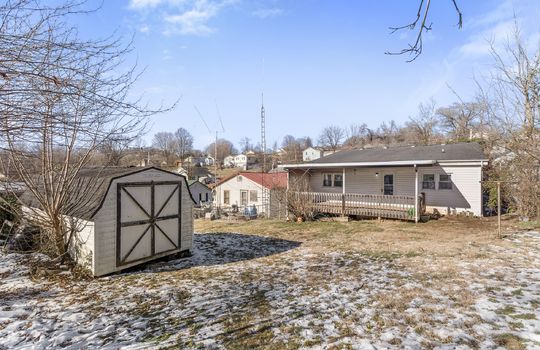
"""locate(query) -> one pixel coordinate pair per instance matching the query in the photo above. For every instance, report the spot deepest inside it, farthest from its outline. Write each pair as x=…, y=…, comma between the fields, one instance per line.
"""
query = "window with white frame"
x=445, y=182
x=338, y=180
x=428, y=182
x=327, y=180
x=332, y=180
x=253, y=196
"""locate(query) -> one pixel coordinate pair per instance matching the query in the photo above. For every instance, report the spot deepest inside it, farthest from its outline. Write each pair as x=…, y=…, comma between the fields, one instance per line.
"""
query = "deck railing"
x=368, y=205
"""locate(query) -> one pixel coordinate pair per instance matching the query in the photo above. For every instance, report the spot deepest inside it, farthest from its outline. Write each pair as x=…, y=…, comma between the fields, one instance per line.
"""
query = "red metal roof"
x=268, y=180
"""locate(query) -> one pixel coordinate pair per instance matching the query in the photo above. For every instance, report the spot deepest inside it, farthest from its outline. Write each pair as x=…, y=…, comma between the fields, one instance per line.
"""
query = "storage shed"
x=140, y=214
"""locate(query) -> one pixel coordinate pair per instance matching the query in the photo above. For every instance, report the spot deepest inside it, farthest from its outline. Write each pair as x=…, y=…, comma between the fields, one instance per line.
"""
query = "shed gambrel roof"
x=94, y=183
x=465, y=151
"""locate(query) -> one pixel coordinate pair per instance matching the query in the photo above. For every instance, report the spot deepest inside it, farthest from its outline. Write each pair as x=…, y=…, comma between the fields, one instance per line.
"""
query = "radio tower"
x=263, y=149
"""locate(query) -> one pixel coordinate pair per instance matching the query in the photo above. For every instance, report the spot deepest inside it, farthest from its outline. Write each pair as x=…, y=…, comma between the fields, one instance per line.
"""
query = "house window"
x=428, y=182
x=338, y=180
x=445, y=182
x=253, y=196
x=226, y=197
x=388, y=185
x=200, y=197
x=327, y=180
x=206, y=197
x=239, y=178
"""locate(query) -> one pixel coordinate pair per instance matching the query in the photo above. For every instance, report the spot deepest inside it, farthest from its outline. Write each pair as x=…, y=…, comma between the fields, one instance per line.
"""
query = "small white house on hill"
x=313, y=153
x=246, y=189
x=135, y=216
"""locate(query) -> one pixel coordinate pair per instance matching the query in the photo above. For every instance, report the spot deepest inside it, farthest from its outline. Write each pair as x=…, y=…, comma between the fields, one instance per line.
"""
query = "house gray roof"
x=465, y=151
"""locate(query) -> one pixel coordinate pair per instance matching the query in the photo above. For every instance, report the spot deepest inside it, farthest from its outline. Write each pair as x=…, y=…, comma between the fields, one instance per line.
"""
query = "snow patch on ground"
x=246, y=291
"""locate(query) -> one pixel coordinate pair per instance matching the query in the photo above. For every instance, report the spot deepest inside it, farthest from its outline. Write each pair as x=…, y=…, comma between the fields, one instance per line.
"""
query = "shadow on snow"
x=221, y=248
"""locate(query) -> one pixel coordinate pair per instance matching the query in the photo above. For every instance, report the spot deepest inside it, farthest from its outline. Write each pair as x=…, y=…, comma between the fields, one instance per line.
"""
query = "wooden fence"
x=368, y=205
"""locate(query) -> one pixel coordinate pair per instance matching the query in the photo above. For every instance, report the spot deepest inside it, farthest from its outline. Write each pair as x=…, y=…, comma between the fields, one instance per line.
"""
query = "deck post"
x=343, y=195
x=415, y=194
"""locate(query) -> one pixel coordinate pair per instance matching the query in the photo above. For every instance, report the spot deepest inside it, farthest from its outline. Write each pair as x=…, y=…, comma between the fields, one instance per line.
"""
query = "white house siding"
x=466, y=194
x=105, y=221
x=235, y=187
x=311, y=154
x=200, y=193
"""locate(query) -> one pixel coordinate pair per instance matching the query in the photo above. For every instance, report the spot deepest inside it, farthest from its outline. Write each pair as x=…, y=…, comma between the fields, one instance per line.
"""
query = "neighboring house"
x=130, y=216
x=389, y=182
x=244, y=161
x=200, y=161
x=200, y=192
x=313, y=153
x=246, y=189
x=228, y=161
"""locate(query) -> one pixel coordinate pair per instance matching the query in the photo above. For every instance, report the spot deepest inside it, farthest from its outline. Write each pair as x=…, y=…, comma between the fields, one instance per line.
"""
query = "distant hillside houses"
x=312, y=153
x=205, y=160
x=244, y=161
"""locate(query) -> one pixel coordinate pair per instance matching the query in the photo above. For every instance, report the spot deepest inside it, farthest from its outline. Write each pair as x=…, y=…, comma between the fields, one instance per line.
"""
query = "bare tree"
x=183, y=143
x=423, y=126
x=114, y=150
x=245, y=145
x=165, y=142
x=460, y=119
x=514, y=106
x=421, y=24
x=331, y=137
x=61, y=99
x=292, y=149
x=389, y=133
x=224, y=149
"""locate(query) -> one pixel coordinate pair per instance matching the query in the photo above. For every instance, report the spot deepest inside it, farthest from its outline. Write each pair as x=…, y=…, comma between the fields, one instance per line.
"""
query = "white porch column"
x=415, y=194
x=343, y=180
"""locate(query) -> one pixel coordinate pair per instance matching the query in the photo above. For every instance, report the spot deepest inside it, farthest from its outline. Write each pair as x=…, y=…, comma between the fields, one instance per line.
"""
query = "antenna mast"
x=263, y=149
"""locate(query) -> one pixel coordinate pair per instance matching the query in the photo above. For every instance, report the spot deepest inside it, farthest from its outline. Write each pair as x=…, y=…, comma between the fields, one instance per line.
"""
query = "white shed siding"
x=466, y=194
x=105, y=221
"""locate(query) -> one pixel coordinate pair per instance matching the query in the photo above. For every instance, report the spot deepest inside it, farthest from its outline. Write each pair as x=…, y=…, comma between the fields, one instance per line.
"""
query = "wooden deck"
x=367, y=205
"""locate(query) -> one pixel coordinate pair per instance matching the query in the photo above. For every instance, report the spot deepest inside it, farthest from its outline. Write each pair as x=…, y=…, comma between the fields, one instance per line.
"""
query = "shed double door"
x=148, y=218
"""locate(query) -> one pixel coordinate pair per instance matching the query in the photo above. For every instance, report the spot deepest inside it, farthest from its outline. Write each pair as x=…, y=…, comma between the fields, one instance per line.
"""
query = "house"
x=396, y=182
x=247, y=189
x=244, y=161
x=205, y=160
x=130, y=216
x=312, y=153
x=200, y=192
x=228, y=161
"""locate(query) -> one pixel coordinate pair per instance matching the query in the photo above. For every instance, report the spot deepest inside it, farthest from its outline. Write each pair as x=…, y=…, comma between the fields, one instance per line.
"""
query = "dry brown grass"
x=448, y=236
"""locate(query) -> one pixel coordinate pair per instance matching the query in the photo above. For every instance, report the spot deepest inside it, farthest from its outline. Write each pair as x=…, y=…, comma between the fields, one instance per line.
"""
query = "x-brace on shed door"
x=148, y=220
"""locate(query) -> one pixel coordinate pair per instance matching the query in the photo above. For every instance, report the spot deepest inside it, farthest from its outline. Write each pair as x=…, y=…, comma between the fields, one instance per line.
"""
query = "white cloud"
x=268, y=12
x=144, y=28
x=140, y=4
x=186, y=17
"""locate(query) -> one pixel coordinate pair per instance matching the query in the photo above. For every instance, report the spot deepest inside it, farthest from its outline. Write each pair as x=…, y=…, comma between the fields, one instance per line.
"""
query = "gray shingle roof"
x=448, y=152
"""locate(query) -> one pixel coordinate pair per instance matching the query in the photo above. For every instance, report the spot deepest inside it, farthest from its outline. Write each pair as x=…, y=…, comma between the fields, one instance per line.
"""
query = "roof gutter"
x=357, y=164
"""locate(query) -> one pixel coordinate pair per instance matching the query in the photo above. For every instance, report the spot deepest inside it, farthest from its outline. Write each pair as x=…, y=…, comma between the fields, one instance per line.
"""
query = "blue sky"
x=318, y=62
